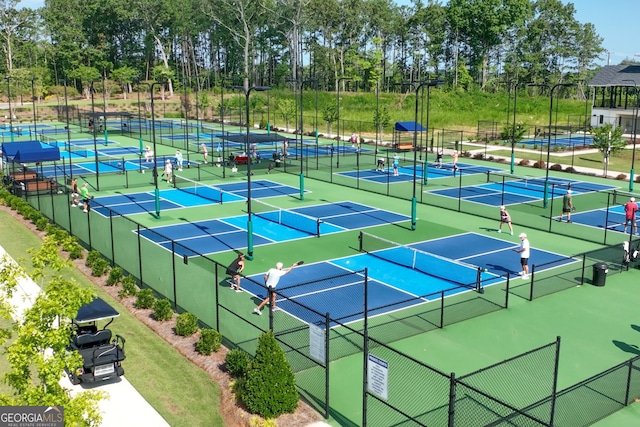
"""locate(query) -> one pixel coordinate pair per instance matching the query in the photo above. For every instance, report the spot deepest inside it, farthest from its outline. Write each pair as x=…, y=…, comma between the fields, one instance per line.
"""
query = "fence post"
x=452, y=399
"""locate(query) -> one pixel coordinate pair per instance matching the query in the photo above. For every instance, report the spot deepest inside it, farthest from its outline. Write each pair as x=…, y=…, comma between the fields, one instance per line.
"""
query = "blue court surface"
x=612, y=220
x=189, y=194
x=526, y=190
x=220, y=235
x=573, y=141
x=393, y=286
x=405, y=173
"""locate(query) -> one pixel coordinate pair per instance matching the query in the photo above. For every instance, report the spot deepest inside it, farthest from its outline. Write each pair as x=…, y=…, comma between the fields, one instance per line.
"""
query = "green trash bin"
x=600, y=270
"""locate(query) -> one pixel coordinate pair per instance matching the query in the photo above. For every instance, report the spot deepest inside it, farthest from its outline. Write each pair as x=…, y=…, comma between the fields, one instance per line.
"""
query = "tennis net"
x=466, y=275
x=199, y=189
x=291, y=219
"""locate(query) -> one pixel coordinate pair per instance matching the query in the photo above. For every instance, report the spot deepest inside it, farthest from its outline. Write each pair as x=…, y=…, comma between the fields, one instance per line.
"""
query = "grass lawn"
x=182, y=393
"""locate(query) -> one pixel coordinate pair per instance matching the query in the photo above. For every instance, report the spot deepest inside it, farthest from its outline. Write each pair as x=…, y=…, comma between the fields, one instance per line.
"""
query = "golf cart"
x=101, y=353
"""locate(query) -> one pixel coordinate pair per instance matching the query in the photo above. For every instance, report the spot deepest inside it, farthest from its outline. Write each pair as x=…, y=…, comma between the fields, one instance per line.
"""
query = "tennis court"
x=270, y=225
x=566, y=141
x=612, y=219
x=402, y=276
x=508, y=190
x=405, y=173
x=188, y=193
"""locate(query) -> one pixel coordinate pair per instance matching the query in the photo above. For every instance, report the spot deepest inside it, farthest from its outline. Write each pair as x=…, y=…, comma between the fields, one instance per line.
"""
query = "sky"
x=614, y=20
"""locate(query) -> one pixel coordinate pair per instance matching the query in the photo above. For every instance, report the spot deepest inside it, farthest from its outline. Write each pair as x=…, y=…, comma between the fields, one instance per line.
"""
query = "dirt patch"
x=233, y=413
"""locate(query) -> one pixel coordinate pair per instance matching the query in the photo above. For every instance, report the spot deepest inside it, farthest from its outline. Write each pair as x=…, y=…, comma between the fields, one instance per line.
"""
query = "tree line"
x=361, y=45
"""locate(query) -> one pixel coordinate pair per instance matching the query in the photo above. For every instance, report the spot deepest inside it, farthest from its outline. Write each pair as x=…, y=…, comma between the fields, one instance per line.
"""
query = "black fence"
x=198, y=284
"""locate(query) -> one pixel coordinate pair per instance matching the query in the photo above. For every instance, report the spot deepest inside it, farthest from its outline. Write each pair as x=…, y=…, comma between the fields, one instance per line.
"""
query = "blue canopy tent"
x=29, y=152
x=403, y=134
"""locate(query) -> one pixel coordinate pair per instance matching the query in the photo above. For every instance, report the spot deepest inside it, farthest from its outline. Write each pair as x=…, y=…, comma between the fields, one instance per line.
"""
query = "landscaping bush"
x=210, y=341
x=270, y=389
x=99, y=267
x=129, y=288
x=478, y=156
x=35, y=216
x=570, y=169
x=41, y=224
x=115, y=275
x=186, y=324
x=162, y=310
x=556, y=167
x=92, y=257
x=237, y=363
x=540, y=164
x=524, y=162
x=71, y=245
x=621, y=177
x=145, y=299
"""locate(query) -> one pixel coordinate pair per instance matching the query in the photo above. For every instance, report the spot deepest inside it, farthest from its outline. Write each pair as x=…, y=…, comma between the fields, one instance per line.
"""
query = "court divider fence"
x=453, y=189
x=197, y=284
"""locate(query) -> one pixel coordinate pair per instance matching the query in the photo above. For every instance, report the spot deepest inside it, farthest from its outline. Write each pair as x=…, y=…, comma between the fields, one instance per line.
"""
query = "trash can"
x=600, y=270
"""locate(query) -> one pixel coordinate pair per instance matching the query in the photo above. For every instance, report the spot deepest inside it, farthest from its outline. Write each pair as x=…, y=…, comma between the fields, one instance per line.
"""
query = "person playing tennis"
x=234, y=270
x=524, y=250
x=148, y=154
x=505, y=218
x=630, y=210
x=205, y=153
x=168, y=169
x=179, y=160
x=271, y=279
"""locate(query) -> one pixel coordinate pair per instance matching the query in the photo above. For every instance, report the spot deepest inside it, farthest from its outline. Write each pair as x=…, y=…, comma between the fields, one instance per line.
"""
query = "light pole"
x=155, y=154
x=428, y=84
x=247, y=92
x=8, y=78
x=315, y=80
x=33, y=102
x=340, y=80
x=104, y=106
x=66, y=110
x=95, y=142
x=138, y=83
x=635, y=121
x=513, y=131
x=546, y=178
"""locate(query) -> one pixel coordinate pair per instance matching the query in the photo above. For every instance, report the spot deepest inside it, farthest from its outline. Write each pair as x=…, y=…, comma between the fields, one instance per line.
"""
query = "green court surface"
x=599, y=327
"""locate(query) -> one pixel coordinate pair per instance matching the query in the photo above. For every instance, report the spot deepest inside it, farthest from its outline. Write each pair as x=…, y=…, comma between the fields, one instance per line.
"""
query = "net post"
x=360, y=237
x=318, y=222
x=479, y=287
x=221, y=195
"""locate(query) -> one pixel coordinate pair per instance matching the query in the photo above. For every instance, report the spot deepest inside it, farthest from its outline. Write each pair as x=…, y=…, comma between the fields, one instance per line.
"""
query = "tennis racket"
x=295, y=264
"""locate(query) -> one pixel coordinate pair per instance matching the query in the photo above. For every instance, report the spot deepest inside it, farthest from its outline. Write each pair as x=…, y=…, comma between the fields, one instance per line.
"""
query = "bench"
x=24, y=176
x=404, y=146
x=86, y=341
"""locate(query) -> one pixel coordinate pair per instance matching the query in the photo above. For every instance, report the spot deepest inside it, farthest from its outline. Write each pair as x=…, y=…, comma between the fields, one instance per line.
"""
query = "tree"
x=124, y=76
x=286, y=109
x=608, y=140
x=270, y=388
x=381, y=119
x=38, y=355
x=330, y=114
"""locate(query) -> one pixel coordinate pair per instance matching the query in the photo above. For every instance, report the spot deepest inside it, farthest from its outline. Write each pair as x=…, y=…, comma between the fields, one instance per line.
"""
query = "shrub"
x=128, y=287
x=99, y=267
x=70, y=244
x=237, y=363
x=115, y=275
x=210, y=340
x=478, y=156
x=524, y=162
x=556, y=167
x=92, y=257
x=621, y=177
x=535, y=146
x=570, y=169
x=42, y=223
x=270, y=389
x=186, y=324
x=35, y=216
x=540, y=164
x=162, y=310
x=145, y=299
